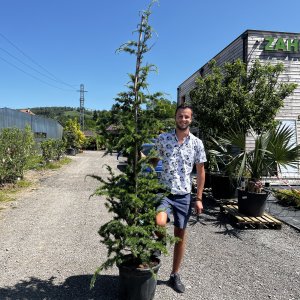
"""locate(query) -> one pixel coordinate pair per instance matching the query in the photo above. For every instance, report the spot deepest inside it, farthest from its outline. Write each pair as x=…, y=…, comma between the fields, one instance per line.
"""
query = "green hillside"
x=63, y=113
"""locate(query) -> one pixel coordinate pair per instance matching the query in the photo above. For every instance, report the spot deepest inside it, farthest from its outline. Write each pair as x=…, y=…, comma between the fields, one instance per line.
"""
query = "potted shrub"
x=272, y=153
x=73, y=137
x=131, y=236
x=222, y=177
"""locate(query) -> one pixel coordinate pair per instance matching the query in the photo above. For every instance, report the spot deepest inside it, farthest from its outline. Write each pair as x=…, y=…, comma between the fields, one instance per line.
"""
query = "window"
x=40, y=135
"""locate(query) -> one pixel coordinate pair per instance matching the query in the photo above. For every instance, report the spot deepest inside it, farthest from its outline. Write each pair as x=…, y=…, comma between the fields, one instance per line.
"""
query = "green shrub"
x=16, y=147
x=90, y=143
x=288, y=197
x=52, y=149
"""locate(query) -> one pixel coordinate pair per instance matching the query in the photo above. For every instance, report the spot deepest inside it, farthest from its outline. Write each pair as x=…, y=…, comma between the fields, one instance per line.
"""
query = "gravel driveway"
x=49, y=247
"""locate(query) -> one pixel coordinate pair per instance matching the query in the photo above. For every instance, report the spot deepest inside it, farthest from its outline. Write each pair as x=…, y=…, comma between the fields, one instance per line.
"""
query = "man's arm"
x=200, y=186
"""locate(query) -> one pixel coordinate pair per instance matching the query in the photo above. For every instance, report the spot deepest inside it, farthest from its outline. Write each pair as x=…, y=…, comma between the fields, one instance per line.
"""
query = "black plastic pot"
x=71, y=151
x=207, y=183
x=222, y=186
x=252, y=204
x=136, y=283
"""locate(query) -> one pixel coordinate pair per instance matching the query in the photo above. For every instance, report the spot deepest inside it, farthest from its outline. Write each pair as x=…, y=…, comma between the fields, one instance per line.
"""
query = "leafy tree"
x=164, y=111
x=232, y=97
x=95, y=115
x=109, y=140
x=73, y=136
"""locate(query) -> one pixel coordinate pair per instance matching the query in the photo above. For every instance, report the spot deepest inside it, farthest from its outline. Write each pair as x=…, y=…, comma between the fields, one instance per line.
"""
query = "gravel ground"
x=49, y=247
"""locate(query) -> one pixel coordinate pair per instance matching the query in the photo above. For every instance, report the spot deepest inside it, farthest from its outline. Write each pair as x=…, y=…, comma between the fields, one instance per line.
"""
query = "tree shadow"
x=75, y=287
x=162, y=282
x=212, y=215
x=122, y=167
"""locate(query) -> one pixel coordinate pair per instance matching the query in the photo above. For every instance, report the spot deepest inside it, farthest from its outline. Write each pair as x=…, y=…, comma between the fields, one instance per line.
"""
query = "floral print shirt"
x=178, y=160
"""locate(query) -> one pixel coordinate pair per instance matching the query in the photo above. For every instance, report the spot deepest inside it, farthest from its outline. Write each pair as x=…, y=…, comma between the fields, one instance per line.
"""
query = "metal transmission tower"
x=81, y=115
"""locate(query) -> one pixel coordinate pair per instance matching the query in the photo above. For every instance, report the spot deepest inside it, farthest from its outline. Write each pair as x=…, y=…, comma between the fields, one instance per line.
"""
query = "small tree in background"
x=231, y=98
x=132, y=196
x=164, y=112
x=52, y=149
x=73, y=136
x=107, y=119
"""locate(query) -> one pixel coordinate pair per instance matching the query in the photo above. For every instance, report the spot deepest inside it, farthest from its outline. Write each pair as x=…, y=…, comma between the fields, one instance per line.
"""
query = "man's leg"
x=179, y=249
x=182, y=210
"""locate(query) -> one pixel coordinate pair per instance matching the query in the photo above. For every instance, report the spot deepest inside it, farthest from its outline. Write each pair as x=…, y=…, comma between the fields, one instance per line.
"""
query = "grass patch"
x=22, y=184
x=4, y=197
x=8, y=192
x=34, y=162
x=57, y=164
x=288, y=197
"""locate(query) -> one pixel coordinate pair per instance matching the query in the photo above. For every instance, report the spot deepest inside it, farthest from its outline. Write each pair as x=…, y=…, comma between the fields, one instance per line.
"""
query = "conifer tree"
x=132, y=196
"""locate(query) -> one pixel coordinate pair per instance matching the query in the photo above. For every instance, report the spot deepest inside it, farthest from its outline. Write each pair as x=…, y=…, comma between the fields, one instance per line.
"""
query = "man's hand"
x=198, y=207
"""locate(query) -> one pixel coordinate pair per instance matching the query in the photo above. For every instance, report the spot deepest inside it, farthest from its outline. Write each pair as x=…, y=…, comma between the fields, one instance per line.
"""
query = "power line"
x=13, y=65
x=37, y=64
x=27, y=65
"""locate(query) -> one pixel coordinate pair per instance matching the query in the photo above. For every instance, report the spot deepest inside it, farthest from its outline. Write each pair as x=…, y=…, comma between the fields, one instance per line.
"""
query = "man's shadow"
x=75, y=287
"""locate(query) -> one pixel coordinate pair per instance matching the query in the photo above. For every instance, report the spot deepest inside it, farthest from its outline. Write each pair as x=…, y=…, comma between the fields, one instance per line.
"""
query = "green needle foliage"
x=131, y=234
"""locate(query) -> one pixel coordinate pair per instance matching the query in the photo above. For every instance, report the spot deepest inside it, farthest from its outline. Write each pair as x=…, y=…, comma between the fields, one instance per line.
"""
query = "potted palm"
x=132, y=236
x=271, y=154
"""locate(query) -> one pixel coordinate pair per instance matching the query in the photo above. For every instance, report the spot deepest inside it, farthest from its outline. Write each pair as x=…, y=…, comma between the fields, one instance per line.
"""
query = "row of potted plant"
x=271, y=154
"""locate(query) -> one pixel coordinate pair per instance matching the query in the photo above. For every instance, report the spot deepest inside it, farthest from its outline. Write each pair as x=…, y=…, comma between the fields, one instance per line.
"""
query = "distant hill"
x=63, y=113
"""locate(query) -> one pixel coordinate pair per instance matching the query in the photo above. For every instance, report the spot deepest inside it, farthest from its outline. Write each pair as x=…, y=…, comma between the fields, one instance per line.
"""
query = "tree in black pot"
x=131, y=236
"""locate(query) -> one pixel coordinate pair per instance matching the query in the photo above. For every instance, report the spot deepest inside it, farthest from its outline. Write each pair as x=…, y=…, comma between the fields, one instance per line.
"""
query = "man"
x=179, y=151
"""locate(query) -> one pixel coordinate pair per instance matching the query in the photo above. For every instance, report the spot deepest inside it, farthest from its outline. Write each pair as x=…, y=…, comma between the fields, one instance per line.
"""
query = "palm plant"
x=272, y=153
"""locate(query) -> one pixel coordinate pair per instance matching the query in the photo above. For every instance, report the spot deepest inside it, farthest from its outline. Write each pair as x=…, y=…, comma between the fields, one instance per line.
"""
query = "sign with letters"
x=281, y=44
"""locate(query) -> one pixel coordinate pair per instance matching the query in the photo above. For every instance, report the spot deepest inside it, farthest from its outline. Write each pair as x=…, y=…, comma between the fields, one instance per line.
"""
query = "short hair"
x=183, y=106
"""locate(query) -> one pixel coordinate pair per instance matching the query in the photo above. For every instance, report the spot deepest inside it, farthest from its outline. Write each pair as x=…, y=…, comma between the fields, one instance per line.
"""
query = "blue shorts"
x=181, y=207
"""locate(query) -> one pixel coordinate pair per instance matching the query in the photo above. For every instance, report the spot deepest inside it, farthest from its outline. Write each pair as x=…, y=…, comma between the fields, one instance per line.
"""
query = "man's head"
x=183, y=117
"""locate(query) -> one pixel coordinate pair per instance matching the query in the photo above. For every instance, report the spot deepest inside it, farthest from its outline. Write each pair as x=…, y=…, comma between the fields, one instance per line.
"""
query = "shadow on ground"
x=212, y=216
x=122, y=167
x=75, y=287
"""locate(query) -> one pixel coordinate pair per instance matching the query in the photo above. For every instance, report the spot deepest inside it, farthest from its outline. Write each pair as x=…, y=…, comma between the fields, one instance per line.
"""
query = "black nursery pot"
x=136, y=283
x=207, y=183
x=222, y=187
x=252, y=204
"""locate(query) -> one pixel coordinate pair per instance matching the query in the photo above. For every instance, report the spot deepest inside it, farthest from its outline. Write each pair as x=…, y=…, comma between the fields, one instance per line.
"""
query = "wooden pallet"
x=243, y=221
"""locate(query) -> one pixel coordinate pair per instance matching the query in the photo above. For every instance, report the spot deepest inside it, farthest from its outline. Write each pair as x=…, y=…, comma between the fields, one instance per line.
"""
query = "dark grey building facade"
x=42, y=127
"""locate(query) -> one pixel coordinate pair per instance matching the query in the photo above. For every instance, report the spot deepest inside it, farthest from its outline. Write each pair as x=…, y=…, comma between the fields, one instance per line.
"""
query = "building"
x=41, y=127
x=267, y=47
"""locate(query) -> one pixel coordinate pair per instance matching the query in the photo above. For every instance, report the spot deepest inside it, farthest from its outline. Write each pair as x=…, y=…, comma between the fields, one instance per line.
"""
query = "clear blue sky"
x=75, y=41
